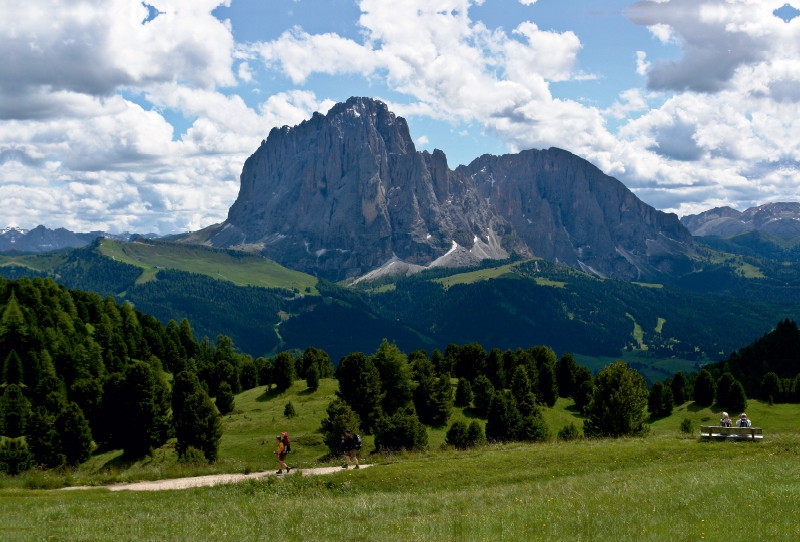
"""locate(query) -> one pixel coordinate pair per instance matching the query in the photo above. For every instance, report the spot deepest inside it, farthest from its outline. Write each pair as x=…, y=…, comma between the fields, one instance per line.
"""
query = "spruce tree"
x=74, y=434
x=520, y=384
x=457, y=435
x=320, y=358
x=533, y=427
x=679, y=386
x=618, y=404
x=225, y=400
x=395, y=373
x=704, y=388
x=340, y=417
x=401, y=430
x=43, y=440
x=360, y=387
x=475, y=435
x=88, y=394
x=737, y=398
x=197, y=424
x=503, y=420
x=439, y=362
x=584, y=388
x=145, y=411
x=771, y=386
x=283, y=371
x=463, y=393
x=441, y=401
x=289, y=410
x=14, y=456
x=724, y=387
x=12, y=369
x=249, y=375
x=566, y=368
x=654, y=399
x=14, y=409
x=495, y=368
x=483, y=392
x=312, y=378
x=548, y=386
x=667, y=401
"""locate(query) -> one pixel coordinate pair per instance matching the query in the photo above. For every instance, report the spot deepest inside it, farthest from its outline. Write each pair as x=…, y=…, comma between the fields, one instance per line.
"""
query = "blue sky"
x=122, y=115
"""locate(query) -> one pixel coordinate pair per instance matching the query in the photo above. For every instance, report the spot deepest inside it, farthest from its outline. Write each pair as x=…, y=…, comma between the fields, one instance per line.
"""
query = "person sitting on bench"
x=743, y=421
x=725, y=421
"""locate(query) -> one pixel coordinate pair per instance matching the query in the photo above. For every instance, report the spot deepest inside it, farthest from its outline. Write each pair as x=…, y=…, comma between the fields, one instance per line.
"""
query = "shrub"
x=533, y=428
x=457, y=435
x=463, y=393
x=340, y=417
x=687, y=426
x=312, y=378
x=475, y=436
x=192, y=455
x=704, y=388
x=289, y=410
x=14, y=456
x=483, y=392
x=197, y=424
x=402, y=430
x=569, y=432
x=225, y=400
x=618, y=404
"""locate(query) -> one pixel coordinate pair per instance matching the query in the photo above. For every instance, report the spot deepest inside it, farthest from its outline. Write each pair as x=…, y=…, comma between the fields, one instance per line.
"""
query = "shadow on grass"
x=306, y=391
x=268, y=395
x=473, y=413
x=694, y=407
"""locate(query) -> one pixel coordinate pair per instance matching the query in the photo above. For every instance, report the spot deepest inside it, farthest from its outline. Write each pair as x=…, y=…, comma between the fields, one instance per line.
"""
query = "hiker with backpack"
x=350, y=445
x=726, y=420
x=283, y=449
x=743, y=421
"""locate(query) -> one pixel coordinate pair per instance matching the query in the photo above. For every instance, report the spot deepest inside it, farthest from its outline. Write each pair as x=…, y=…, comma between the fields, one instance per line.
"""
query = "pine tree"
x=88, y=394
x=533, y=427
x=12, y=369
x=289, y=410
x=584, y=388
x=340, y=417
x=548, y=386
x=74, y=434
x=14, y=456
x=618, y=405
x=457, y=435
x=283, y=371
x=14, y=409
x=566, y=368
x=704, y=388
x=145, y=411
x=249, y=375
x=679, y=386
x=483, y=392
x=495, y=368
x=320, y=358
x=401, y=430
x=737, y=398
x=312, y=378
x=771, y=386
x=360, y=387
x=395, y=374
x=225, y=400
x=197, y=424
x=503, y=420
x=463, y=393
x=654, y=399
x=520, y=384
x=441, y=402
x=43, y=440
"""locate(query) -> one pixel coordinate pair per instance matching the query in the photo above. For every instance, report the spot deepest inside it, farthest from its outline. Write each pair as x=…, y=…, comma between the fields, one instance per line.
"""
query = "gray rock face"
x=567, y=210
x=781, y=219
x=39, y=239
x=347, y=193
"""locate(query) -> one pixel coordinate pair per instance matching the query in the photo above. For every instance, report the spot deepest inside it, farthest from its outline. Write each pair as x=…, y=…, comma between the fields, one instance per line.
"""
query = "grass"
x=660, y=324
x=638, y=335
x=504, y=271
x=661, y=487
x=241, y=269
x=648, y=285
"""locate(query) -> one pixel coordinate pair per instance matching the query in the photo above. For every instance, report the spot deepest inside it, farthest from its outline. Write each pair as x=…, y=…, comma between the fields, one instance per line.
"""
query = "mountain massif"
x=781, y=219
x=43, y=239
x=347, y=193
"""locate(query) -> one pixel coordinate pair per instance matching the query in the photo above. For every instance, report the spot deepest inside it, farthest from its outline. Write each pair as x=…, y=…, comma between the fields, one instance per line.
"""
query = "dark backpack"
x=287, y=447
x=357, y=442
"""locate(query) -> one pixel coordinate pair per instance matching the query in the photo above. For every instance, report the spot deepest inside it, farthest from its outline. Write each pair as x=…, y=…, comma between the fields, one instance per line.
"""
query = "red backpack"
x=286, y=442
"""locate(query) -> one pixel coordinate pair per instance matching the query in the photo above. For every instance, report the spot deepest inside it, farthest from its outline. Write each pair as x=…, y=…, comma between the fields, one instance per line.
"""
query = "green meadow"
x=666, y=486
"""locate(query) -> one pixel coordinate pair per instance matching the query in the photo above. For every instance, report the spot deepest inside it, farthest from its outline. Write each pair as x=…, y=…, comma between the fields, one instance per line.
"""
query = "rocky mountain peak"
x=781, y=219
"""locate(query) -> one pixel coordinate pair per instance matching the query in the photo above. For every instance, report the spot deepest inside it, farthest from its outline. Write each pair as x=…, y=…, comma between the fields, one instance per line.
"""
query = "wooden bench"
x=715, y=431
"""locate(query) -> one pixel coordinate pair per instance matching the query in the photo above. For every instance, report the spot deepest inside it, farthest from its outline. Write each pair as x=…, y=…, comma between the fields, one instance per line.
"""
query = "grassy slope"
x=663, y=487
x=504, y=271
x=248, y=270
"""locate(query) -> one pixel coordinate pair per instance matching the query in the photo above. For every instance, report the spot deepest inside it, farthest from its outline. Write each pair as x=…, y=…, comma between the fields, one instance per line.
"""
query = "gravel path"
x=202, y=481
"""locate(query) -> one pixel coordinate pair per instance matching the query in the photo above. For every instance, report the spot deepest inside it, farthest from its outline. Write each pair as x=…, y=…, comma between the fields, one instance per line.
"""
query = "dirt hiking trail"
x=204, y=481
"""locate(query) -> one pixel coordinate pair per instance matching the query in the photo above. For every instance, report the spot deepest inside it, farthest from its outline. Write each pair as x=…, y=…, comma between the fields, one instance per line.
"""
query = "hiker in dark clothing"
x=350, y=445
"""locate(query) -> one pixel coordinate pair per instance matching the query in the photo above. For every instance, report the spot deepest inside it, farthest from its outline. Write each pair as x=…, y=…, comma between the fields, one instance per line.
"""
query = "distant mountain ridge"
x=43, y=239
x=781, y=219
x=347, y=193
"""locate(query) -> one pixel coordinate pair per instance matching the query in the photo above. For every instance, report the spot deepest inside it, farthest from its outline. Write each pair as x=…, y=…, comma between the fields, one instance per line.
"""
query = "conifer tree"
x=289, y=410
x=88, y=394
x=440, y=363
x=312, y=377
x=584, y=387
x=463, y=393
x=704, y=388
x=679, y=386
x=14, y=409
x=360, y=387
x=74, y=434
x=43, y=440
x=520, y=384
x=618, y=404
x=283, y=371
x=503, y=419
x=395, y=374
x=248, y=375
x=495, y=368
x=566, y=368
x=475, y=435
x=457, y=435
x=340, y=417
x=145, y=410
x=548, y=387
x=401, y=430
x=12, y=369
x=194, y=417
x=533, y=427
x=441, y=402
x=225, y=400
x=660, y=402
x=14, y=456
x=771, y=386
x=483, y=391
